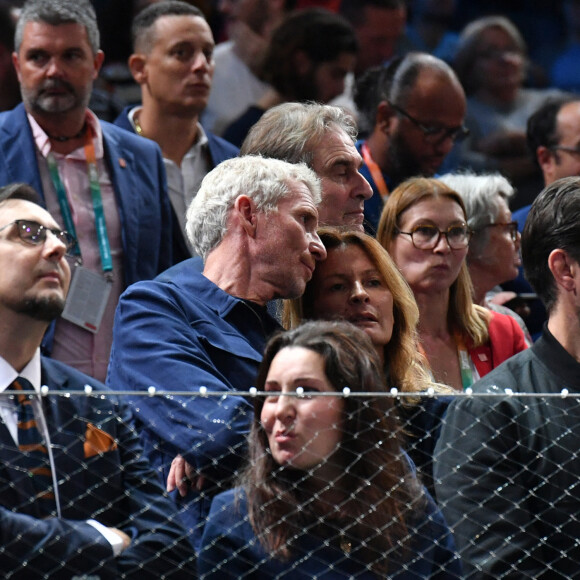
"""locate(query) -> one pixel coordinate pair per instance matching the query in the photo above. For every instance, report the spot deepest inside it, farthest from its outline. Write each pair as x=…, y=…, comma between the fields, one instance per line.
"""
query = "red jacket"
x=506, y=338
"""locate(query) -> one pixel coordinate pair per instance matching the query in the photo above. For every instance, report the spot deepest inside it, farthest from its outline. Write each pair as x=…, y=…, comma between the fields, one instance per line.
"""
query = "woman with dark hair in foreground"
x=328, y=492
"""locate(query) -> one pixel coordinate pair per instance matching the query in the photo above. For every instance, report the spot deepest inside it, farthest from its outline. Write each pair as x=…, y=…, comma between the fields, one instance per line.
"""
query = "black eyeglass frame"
x=571, y=150
x=435, y=134
x=468, y=232
x=38, y=238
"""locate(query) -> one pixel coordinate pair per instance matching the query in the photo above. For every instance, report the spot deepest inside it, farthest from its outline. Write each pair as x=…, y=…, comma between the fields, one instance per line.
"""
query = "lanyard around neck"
x=464, y=362
x=100, y=223
x=375, y=170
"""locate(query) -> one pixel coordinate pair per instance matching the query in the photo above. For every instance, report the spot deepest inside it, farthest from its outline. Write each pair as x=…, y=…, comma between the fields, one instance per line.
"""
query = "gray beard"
x=41, y=103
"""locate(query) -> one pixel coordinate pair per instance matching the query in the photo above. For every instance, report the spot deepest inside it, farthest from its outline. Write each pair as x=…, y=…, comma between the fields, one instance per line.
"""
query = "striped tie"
x=31, y=444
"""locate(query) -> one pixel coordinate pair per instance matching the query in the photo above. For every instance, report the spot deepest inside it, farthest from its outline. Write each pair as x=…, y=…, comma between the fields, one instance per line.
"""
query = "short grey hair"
x=266, y=181
x=292, y=131
x=56, y=12
x=481, y=195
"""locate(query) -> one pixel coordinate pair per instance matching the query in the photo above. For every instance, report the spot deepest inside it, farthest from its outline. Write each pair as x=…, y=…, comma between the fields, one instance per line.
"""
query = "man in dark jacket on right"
x=507, y=464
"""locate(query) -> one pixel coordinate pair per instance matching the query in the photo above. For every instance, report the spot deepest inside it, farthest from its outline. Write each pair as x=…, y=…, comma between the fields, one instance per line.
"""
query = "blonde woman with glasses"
x=424, y=228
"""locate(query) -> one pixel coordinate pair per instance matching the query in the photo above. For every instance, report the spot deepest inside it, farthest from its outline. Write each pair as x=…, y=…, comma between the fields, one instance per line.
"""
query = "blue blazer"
x=138, y=177
x=103, y=475
x=219, y=150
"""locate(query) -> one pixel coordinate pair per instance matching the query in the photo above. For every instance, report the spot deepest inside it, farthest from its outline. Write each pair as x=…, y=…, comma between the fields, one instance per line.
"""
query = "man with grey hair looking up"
x=254, y=223
x=100, y=183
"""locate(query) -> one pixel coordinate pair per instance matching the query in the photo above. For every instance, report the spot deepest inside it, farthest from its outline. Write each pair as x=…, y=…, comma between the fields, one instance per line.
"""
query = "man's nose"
x=361, y=187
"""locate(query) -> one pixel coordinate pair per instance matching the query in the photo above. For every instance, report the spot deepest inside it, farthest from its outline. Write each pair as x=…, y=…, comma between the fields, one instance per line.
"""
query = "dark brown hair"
x=380, y=489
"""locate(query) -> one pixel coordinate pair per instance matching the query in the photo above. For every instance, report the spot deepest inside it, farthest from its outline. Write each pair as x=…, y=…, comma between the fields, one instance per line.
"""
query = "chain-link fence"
x=505, y=476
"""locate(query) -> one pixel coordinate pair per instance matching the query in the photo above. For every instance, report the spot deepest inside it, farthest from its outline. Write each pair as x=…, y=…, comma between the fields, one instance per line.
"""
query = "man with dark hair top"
x=506, y=466
x=418, y=111
x=77, y=496
x=173, y=64
x=553, y=138
x=102, y=183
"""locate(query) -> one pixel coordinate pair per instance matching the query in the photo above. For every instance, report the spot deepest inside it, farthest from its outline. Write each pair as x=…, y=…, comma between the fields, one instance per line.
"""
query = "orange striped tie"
x=31, y=443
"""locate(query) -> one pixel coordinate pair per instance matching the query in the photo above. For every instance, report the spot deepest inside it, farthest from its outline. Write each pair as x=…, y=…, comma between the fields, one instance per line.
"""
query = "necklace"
x=65, y=139
x=138, y=128
x=345, y=544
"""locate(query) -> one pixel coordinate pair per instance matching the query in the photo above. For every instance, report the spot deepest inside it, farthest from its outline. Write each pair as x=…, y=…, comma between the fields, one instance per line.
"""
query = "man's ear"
x=16, y=64
x=302, y=63
x=546, y=161
x=98, y=61
x=245, y=208
x=386, y=120
x=137, y=67
x=564, y=269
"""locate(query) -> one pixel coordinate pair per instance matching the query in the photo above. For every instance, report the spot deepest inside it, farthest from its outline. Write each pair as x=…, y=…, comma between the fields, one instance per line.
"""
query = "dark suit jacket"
x=138, y=176
x=102, y=475
x=218, y=150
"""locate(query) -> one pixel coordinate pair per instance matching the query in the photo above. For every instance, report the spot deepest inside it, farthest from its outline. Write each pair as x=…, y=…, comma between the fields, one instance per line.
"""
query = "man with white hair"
x=254, y=223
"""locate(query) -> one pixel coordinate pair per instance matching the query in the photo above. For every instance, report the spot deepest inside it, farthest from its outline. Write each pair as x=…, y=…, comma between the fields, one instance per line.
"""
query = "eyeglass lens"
x=427, y=237
x=34, y=233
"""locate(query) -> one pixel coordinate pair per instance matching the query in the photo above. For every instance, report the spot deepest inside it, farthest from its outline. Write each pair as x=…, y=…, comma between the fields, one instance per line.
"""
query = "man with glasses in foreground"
x=77, y=496
x=419, y=112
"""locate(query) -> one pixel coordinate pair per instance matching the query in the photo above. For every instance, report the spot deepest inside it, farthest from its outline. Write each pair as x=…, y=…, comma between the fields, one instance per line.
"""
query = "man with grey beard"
x=101, y=183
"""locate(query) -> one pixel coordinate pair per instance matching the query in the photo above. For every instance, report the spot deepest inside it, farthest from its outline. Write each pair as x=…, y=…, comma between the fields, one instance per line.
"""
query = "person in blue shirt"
x=327, y=492
x=254, y=224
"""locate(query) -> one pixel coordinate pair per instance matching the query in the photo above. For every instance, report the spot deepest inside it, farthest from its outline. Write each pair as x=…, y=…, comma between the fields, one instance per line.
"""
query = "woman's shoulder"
x=233, y=496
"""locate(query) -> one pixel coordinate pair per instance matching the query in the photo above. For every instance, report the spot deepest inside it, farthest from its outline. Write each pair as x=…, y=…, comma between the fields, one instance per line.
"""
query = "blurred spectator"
x=430, y=28
x=490, y=63
x=9, y=88
x=238, y=61
x=565, y=74
x=307, y=59
x=379, y=26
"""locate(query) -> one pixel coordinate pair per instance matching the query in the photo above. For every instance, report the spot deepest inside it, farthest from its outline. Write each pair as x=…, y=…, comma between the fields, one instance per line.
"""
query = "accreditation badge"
x=87, y=299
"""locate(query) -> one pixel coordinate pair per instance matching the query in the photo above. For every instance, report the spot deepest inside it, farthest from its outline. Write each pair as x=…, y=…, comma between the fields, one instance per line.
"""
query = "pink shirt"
x=73, y=345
